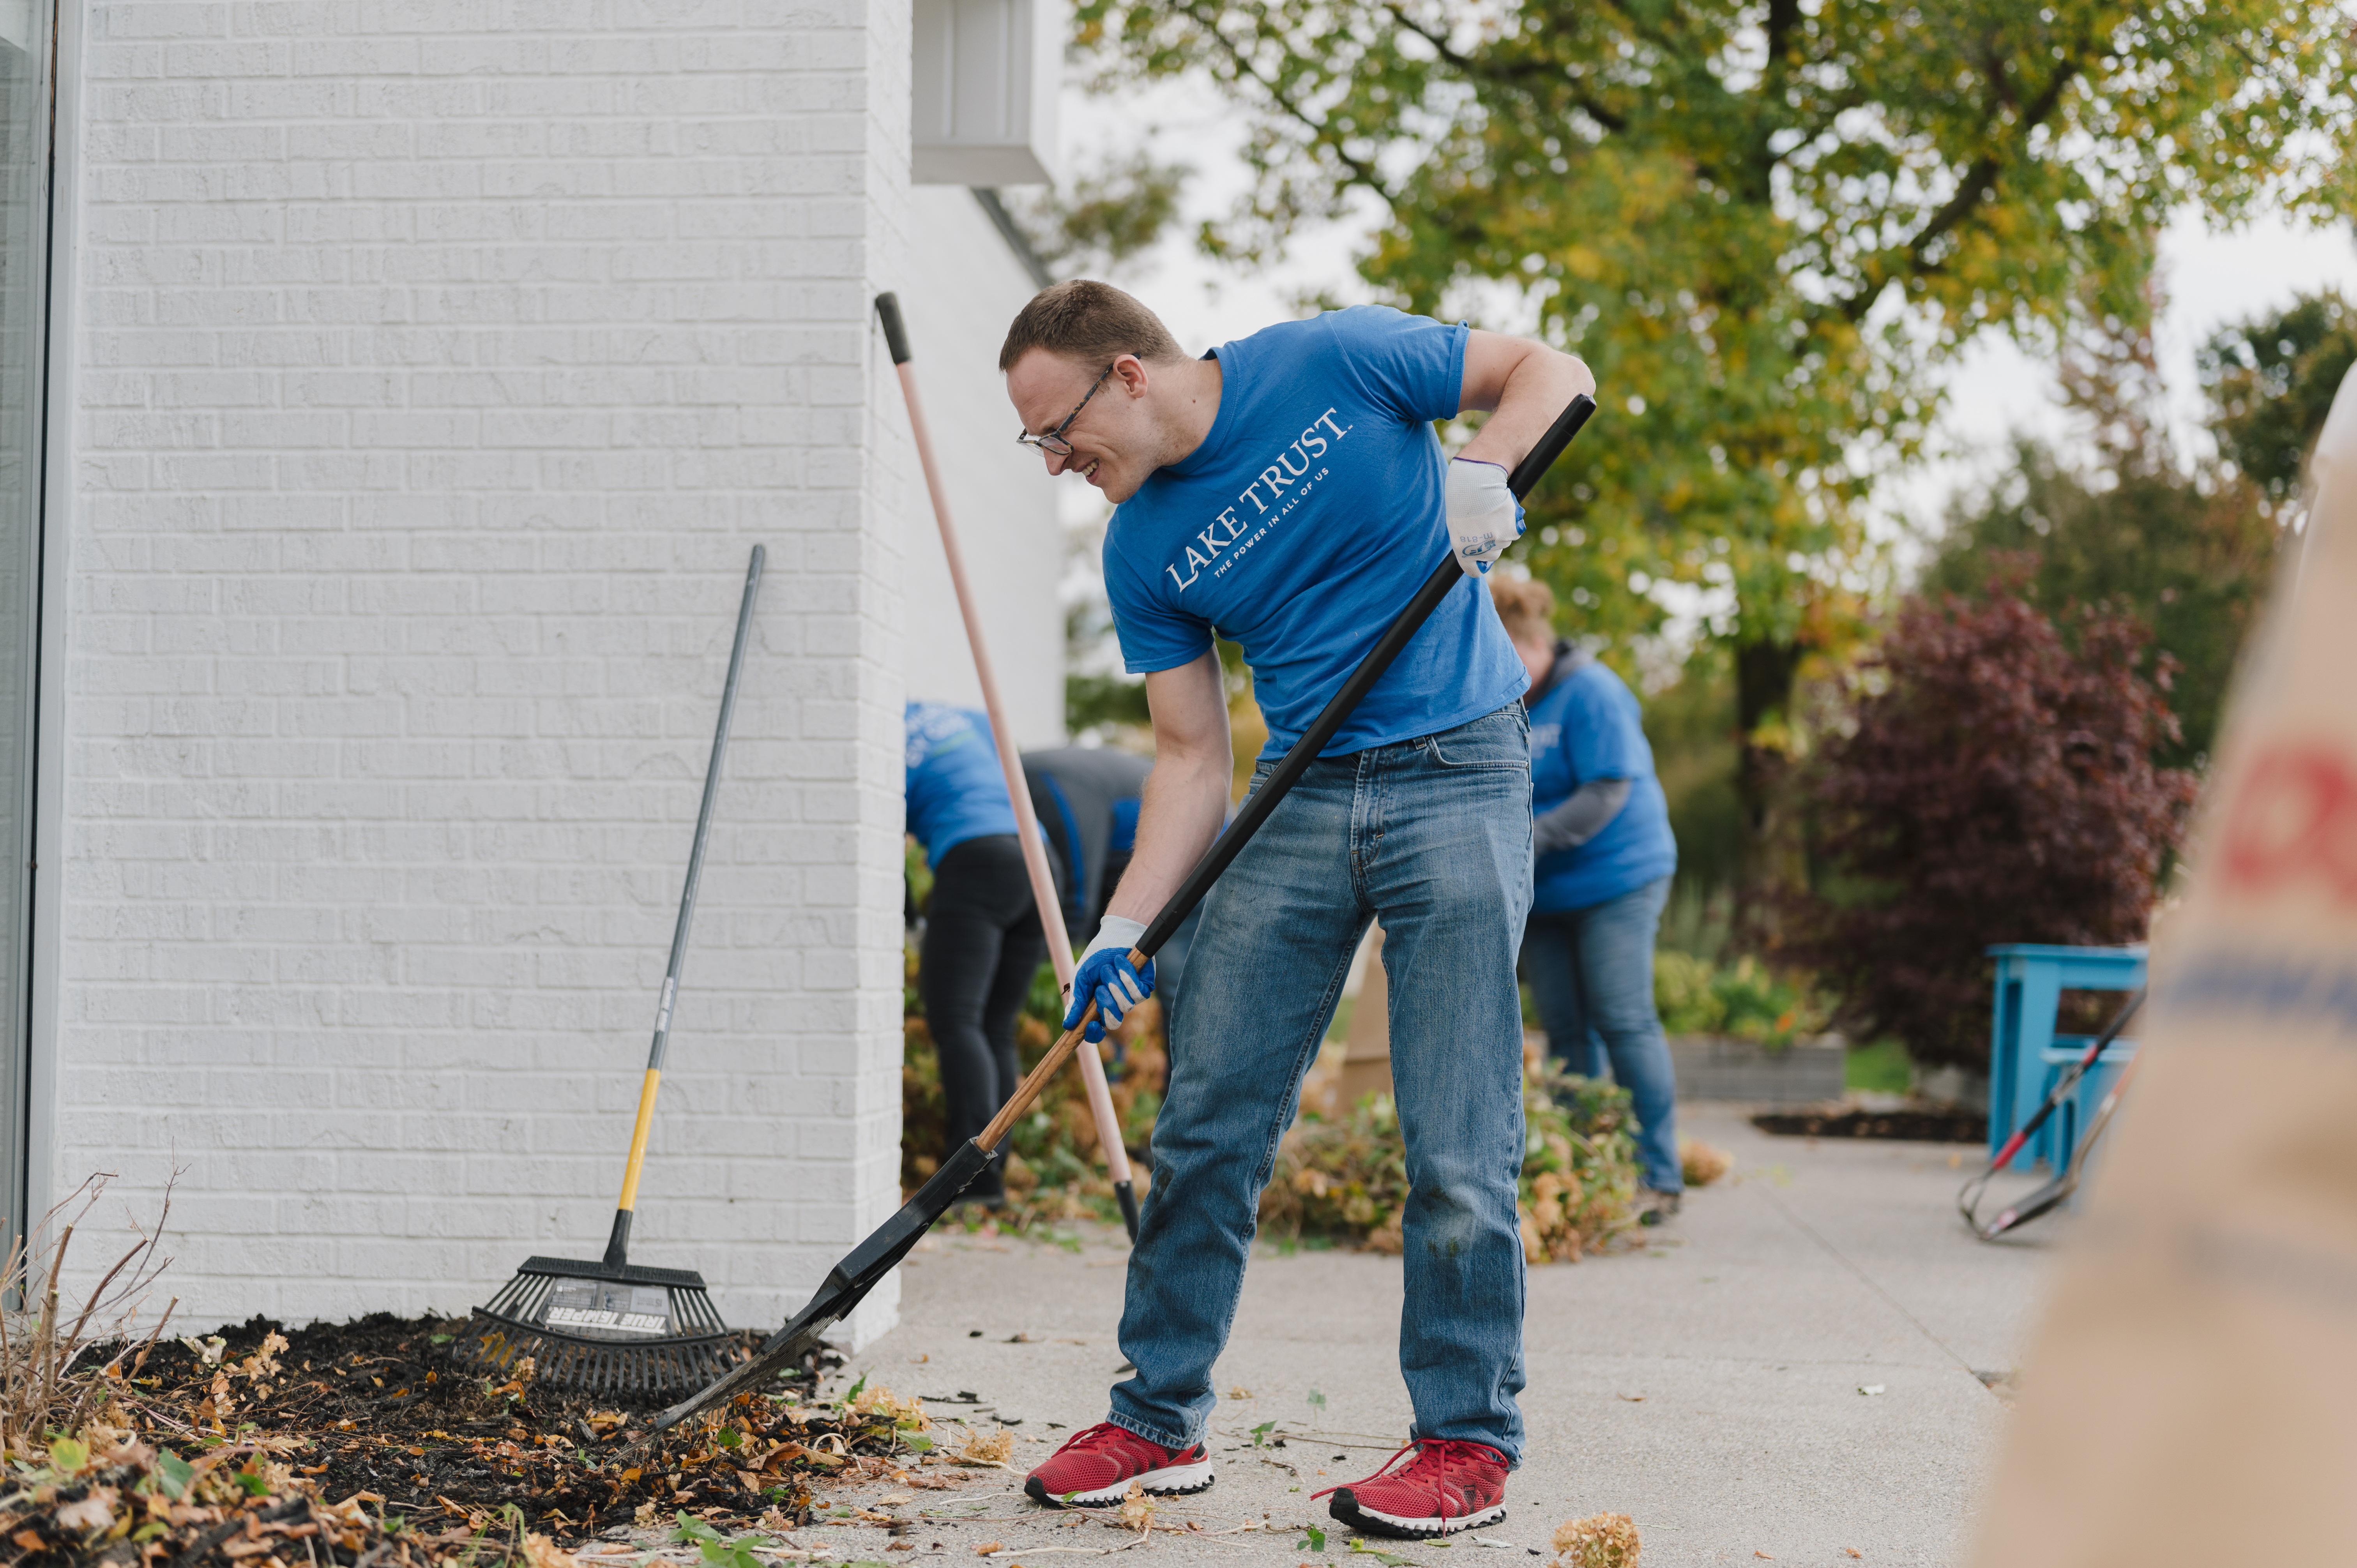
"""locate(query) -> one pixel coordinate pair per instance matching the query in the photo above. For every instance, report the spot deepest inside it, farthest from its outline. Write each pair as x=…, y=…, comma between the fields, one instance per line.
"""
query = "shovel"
x=848, y=1284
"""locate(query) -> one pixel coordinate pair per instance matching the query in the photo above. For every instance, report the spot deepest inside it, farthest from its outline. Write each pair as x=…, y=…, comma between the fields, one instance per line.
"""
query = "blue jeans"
x=1591, y=971
x=1433, y=838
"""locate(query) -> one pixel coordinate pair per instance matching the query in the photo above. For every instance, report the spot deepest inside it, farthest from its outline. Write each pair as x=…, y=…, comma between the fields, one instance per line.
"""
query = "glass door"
x=27, y=55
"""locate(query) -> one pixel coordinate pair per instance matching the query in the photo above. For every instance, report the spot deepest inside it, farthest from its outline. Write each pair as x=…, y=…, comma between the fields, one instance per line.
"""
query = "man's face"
x=1115, y=444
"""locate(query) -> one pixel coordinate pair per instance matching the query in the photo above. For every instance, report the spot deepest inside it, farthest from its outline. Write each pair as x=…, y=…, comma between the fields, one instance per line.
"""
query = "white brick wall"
x=440, y=361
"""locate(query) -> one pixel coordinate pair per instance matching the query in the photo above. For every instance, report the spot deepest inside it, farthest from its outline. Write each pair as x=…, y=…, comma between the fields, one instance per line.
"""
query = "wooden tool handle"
x=1036, y=1079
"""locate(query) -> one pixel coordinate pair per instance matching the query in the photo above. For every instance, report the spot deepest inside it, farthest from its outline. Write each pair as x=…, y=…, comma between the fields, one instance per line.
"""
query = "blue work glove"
x=1106, y=978
x=1483, y=515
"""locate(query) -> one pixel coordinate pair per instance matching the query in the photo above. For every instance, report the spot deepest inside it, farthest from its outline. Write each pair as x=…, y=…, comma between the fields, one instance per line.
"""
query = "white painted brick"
x=439, y=363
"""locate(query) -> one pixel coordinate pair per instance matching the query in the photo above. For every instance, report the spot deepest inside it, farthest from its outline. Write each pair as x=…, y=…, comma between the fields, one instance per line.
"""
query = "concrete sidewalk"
x=1707, y=1386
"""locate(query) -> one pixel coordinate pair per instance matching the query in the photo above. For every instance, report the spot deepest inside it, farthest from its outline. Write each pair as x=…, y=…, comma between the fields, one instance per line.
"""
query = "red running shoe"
x=1449, y=1486
x=1095, y=1466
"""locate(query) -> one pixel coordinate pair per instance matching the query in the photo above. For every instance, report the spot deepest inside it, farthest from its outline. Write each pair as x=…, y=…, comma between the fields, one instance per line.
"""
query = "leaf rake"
x=612, y=1326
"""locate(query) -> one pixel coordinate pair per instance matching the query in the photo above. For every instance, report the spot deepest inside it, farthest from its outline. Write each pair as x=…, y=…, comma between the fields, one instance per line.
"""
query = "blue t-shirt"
x=1587, y=727
x=1305, y=523
x=956, y=791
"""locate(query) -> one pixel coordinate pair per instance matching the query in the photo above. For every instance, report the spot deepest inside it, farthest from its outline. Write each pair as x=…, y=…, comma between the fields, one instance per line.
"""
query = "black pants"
x=982, y=944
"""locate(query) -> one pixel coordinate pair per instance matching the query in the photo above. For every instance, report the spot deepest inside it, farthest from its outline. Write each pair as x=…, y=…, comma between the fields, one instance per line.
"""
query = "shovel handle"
x=1036, y=1079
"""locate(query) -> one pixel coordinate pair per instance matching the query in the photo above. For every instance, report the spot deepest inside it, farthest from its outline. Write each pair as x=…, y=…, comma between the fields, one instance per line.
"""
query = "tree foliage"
x=1997, y=787
x=1708, y=199
x=1761, y=224
x=2191, y=561
x=2271, y=383
x=2189, y=553
x=1100, y=221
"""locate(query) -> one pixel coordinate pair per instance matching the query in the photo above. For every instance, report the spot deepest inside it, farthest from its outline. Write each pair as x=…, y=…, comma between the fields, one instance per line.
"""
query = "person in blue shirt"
x=982, y=939
x=1289, y=492
x=1604, y=855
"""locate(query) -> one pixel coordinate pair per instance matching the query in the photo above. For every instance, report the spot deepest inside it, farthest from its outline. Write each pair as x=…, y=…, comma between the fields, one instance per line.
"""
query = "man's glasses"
x=1054, y=441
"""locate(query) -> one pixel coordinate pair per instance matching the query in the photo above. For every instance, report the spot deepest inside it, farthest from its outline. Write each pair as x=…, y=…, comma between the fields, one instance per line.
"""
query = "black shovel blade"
x=847, y=1285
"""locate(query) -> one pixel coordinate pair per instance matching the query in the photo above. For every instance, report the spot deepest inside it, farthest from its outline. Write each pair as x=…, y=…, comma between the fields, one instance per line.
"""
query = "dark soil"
x=368, y=1446
x=389, y=1411
x=1921, y=1126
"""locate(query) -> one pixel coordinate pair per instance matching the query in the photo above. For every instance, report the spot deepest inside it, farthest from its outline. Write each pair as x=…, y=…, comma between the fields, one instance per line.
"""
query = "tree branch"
x=1517, y=74
x=1362, y=172
x=1978, y=184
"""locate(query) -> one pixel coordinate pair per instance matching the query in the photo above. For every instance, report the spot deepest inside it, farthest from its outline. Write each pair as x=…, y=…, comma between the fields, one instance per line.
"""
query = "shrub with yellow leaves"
x=1348, y=1178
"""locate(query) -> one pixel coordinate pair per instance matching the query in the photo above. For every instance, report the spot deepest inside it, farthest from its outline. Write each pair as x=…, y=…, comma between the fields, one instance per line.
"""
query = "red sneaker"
x=1094, y=1469
x=1449, y=1486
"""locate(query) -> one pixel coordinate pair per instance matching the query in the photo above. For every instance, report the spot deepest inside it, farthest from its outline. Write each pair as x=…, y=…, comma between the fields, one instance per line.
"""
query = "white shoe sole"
x=1373, y=1522
x=1171, y=1481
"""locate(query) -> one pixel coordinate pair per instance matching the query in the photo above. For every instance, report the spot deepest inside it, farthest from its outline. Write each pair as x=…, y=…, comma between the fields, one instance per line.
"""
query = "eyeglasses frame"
x=1053, y=442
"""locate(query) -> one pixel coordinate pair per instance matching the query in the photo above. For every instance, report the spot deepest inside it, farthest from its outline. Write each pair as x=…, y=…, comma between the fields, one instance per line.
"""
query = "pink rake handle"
x=1010, y=762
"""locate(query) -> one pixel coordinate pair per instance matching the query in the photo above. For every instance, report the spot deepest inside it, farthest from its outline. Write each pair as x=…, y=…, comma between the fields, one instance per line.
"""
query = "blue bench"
x=2027, y=1056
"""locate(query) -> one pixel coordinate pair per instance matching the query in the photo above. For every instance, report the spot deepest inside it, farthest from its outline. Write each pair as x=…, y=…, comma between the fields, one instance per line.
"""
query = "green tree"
x=2186, y=553
x=2271, y=382
x=1762, y=224
x=1102, y=220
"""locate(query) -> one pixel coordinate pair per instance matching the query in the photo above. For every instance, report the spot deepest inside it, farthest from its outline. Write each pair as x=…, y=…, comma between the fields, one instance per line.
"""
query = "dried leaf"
x=1599, y=1541
x=95, y=1511
x=542, y=1552
x=996, y=1446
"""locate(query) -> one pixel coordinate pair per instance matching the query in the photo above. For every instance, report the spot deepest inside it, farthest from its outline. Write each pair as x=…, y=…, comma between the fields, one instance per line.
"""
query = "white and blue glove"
x=1106, y=978
x=1484, y=518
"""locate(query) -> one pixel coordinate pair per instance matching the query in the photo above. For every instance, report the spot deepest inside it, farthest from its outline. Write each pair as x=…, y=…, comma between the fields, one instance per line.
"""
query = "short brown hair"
x=1089, y=321
x=1526, y=606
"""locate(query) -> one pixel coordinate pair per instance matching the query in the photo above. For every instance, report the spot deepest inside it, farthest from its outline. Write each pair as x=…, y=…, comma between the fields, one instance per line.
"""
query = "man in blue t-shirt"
x=1605, y=854
x=1287, y=491
x=982, y=938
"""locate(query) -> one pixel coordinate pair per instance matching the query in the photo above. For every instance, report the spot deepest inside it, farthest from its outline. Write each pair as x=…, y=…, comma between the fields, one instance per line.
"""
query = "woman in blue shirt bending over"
x=982, y=938
x=1604, y=855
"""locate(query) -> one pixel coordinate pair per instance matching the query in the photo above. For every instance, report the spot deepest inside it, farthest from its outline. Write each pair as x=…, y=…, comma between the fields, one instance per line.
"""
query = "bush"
x=1740, y=1000
x=1344, y=1180
x=1348, y=1179
x=1995, y=787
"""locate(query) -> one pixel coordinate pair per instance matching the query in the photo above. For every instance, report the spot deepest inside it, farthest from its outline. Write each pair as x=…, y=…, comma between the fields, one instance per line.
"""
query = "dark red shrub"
x=1998, y=786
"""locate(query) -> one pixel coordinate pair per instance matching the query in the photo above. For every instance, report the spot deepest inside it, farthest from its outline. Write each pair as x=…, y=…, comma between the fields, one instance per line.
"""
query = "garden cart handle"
x=1968, y=1197
x=617, y=1246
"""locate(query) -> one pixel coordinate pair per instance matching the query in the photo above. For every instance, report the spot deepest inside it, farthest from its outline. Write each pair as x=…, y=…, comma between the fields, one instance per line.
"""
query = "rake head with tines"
x=603, y=1328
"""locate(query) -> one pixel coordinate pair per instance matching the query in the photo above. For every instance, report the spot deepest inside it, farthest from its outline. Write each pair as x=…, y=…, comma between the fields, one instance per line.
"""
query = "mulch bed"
x=387, y=1411
x=366, y=1445
x=1922, y=1126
